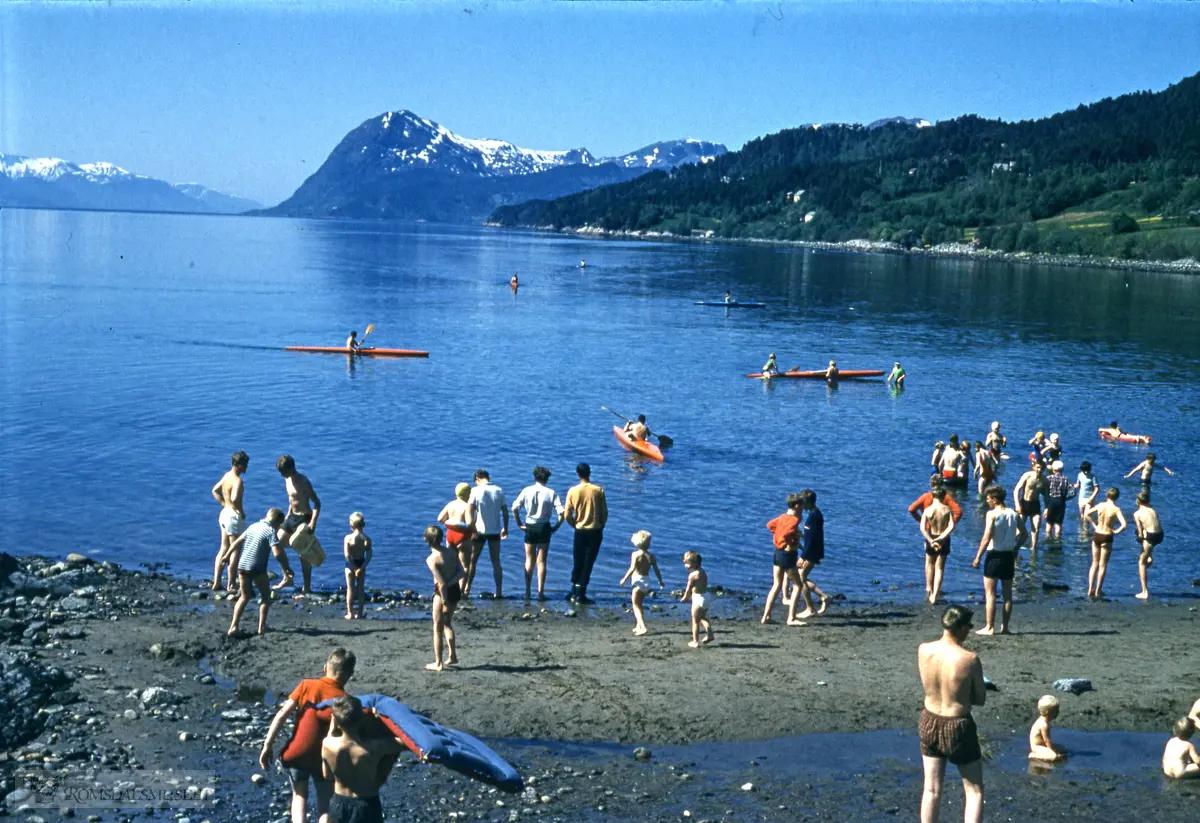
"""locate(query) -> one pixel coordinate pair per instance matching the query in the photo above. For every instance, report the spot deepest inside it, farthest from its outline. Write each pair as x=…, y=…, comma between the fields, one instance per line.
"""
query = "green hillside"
x=1117, y=178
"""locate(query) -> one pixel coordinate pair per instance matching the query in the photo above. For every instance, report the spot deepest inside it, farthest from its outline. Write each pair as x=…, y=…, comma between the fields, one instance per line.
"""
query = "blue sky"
x=251, y=97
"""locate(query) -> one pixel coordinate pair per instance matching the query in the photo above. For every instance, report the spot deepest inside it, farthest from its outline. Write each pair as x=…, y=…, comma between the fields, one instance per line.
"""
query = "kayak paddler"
x=770, y=368
x=897, y=376
x=514, y=284
x=352, y=342
x=637, y=430
x=729, y=297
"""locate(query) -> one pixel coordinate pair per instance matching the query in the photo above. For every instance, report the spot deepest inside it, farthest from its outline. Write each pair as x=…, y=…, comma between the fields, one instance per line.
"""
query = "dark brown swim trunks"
x=949, y=738
x=1101, y=541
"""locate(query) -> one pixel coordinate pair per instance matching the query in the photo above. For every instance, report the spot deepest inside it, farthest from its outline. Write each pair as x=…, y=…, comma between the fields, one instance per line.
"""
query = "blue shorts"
x=786, y=559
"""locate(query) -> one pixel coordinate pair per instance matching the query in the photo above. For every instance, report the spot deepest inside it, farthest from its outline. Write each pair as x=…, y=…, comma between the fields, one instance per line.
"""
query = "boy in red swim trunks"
x=786, y=535
x=460, y=534
x=338, y=671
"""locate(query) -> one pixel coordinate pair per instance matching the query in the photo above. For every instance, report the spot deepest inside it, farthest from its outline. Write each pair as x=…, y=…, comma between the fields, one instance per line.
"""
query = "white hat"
x=1054, y=436
x=995, y=425
x=1057, y=466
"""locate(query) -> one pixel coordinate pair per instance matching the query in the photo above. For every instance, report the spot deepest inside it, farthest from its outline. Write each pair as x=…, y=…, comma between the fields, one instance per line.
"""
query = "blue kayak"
x=735, y=305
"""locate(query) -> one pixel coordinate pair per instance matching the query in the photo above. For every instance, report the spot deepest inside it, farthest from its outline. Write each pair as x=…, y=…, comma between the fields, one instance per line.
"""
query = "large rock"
x=156, y=696
x=25, y=686
x=8, y=565
x=1074, y=685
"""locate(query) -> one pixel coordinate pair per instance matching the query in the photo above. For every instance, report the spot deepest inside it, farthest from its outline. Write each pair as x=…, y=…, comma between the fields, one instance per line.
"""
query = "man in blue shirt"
x=812, y=552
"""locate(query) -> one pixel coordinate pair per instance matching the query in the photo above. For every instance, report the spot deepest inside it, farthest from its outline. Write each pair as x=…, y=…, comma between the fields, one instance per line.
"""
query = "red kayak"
x=359, y=352
x=843, y=374
x=1125, y=437
x=643, y=447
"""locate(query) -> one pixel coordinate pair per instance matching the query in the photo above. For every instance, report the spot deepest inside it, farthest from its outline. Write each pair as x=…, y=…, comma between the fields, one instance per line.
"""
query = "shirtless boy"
x=986, y=463
x=641, y=562
x=937, y=522
x=228, y=492
x=1108, y=523
x=1149, y=533
x=1180, y=758
x=1003, y=534
x=338, y=670
x=460, y=534
x=358, y=764
x=256, y=544
x=697, y=592
x=357, y=550
x=949, y=461
x=1040, y=745
x=303, y=507
x=448, y=573
x=785, y=531
x=953, y=681
x=1147, y=467
x=637, y=430
x=1027, y=494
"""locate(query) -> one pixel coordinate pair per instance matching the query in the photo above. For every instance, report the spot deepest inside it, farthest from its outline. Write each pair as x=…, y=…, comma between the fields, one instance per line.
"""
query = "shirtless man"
x=1027, y=494
x=637, y=430
x=1149, y=533
x=948, y=462
x=357, y=764
x=831, y=373
x=953, y=681
x=228, y=492
x=303, y=507
x=937, y=522
x=1108, y=523
x=352, y=342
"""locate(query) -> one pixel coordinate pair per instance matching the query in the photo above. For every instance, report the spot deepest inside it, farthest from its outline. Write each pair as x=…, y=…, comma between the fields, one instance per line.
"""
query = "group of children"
x=1180, y=758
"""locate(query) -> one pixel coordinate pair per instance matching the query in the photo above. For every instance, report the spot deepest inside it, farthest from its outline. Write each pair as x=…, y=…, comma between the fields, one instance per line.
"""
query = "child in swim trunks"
x=1180, y=758
x=641, y=562
x=357, y=549
x=448, y=573
x=460, y=534
x=785, y=530
x=1109, y=522
x=1146, y=467
x=1040, y=745
x=697, y=592
x=1149, y=533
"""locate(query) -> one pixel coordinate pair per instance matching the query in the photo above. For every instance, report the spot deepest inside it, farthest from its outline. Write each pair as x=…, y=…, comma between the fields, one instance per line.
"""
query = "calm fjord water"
x=139, y=351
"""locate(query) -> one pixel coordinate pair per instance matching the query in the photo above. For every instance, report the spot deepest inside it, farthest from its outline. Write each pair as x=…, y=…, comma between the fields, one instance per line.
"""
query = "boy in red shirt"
x=338, y=670
x=786, y=531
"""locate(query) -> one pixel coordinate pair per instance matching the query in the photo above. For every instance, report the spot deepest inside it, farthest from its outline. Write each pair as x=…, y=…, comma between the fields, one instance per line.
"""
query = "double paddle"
x=663, y=440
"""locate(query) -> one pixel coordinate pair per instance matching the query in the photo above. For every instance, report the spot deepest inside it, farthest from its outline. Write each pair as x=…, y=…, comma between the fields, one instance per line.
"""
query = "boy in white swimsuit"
x=228, y=492
x=697, y=592
x=641, y=562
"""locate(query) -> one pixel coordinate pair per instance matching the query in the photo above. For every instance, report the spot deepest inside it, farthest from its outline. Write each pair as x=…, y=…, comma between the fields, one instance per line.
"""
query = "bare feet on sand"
x=1142, y=595
x=433, y=667
x=804, y=614
x=640, y=630
x=824, y=605
x=985, y=631
x=796, y=623
x=692, y=644
x=708, y=638
x=288, y=580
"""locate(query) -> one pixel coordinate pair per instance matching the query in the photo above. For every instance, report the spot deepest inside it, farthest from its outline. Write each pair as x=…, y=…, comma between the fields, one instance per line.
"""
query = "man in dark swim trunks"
x=357, y=763
x=952, y=678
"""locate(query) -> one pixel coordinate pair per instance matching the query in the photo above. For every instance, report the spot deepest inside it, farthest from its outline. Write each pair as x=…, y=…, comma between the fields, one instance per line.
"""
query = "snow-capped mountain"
x=51, y=182
x=908, y=121
x=402, y=165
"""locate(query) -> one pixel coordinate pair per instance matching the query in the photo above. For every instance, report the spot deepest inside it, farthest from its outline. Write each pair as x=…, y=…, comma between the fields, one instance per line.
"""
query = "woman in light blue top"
x=1087, y=485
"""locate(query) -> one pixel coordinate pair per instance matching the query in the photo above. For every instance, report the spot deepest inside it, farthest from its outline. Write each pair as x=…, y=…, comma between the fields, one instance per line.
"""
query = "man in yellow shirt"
x=587, y=512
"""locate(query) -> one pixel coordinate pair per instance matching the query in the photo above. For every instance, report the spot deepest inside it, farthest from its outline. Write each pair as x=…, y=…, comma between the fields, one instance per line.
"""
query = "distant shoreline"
x=954, y=251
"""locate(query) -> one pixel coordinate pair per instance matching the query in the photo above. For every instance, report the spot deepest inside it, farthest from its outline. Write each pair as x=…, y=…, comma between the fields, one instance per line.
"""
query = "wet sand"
x=532, y=675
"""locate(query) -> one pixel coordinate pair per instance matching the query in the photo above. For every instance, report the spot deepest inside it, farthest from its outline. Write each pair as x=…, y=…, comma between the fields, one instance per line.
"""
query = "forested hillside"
x=1116, y=178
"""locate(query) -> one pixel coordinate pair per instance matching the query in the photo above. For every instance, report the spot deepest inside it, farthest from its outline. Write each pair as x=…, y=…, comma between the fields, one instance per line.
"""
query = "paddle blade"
x=370, y=329
x=664, y=441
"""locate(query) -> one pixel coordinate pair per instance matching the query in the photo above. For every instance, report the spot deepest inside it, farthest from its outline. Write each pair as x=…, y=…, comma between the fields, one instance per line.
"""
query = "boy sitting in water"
x=357, y=549
x=1180, y=758
x=1149, y=534
x=641, y=561
x=697, y=592
x=1040, y=746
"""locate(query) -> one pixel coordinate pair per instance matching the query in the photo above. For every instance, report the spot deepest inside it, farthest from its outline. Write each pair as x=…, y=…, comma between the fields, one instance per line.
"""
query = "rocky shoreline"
x=114, y=676
x=959, y=251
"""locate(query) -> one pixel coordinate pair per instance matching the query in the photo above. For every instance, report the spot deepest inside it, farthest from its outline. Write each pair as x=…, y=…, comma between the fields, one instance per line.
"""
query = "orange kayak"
x=360, y=352
x=644, y=447
x=1125, y=437
x=843, y=374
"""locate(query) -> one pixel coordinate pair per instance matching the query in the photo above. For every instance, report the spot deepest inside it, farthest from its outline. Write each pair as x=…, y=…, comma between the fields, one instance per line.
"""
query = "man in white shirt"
x=1003, y=533
x=540, y=503
x=487, y=510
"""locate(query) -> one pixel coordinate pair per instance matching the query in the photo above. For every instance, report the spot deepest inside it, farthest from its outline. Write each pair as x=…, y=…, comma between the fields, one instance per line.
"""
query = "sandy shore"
x=529, y=674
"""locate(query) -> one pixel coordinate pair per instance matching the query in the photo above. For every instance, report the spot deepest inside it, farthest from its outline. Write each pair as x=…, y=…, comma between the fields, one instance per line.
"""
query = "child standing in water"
x=1146, y=467
x=357, y=550
x=697, y=592
x=1040, y=746
x=448, y=573
x=641, y=562
x=1149, y=533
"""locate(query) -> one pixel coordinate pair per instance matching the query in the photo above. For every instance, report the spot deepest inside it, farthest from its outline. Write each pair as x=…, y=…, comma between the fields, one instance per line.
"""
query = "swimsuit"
x=1101, y=541
x=938, y=549
x=700, y=601
x=294, y=521
x=537, y=534
x=343, y=809
x=1000, y=565
x=949, y=738
x=451, y=593
x=232, y=523
x=786, y=559
x=353, y=563
x=1153, y=538
x=640, y=581
x=458, y=534
x=1030, y=508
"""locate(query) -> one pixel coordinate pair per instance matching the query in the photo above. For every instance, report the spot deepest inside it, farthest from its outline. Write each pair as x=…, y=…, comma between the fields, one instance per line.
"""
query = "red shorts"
x=457, y=535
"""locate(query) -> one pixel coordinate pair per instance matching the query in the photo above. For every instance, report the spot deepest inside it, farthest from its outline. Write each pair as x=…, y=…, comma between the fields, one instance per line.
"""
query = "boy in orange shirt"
x=338, y=670
x=786, y=531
